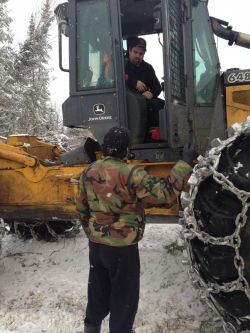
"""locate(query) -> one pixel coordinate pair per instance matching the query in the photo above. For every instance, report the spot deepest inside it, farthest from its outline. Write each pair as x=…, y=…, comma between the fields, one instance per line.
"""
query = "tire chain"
x=206, y=167
x=54, y=236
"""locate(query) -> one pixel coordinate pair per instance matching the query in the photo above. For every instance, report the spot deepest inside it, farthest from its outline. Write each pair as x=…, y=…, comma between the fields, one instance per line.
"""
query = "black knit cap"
x=137, y=42
x=115, y=142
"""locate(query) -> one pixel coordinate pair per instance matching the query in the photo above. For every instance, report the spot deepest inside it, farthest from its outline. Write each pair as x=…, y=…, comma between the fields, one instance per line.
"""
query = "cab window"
x=206, y=63
x=95, y=65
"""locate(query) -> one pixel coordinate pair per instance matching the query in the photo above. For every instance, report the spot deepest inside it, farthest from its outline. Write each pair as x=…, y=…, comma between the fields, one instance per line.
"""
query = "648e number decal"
x=237, y=77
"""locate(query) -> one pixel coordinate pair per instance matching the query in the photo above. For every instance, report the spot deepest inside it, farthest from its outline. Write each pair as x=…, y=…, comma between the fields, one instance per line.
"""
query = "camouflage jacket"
x=113, y=194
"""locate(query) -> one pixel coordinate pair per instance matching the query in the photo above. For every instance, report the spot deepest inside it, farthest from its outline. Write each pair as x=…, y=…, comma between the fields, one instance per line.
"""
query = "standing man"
x=141, y=77
x=111, y=202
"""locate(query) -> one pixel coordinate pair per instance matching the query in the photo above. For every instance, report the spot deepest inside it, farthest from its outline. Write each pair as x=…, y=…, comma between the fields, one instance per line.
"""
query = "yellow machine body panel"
x=237, y=103
x=40, y=192
x=31, y=189
x=33, y=146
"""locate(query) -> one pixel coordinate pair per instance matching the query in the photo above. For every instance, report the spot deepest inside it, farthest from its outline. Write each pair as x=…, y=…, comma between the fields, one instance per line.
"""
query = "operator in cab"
x=140, y=76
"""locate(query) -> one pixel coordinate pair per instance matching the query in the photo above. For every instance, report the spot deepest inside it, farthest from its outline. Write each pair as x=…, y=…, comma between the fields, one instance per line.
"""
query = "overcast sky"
x=236, y=12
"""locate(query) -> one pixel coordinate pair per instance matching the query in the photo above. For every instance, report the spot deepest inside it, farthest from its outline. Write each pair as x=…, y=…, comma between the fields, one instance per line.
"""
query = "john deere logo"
x=99, y=109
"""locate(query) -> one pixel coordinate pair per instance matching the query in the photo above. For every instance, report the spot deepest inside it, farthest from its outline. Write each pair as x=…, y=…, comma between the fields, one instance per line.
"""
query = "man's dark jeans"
x=114, y=280
x=154, y=105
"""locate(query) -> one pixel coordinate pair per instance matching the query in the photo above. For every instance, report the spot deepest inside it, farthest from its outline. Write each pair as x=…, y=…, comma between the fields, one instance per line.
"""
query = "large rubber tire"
x=216, y=209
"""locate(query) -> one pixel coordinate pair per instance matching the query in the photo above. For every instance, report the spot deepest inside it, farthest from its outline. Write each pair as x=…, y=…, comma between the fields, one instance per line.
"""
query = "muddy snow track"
x=43, y=286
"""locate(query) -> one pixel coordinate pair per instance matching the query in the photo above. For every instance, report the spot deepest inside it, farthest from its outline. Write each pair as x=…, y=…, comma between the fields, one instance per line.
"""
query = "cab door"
x=97, y=93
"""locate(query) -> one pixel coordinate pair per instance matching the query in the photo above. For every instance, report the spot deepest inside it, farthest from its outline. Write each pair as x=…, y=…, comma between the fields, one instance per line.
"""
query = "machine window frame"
x=94, y=54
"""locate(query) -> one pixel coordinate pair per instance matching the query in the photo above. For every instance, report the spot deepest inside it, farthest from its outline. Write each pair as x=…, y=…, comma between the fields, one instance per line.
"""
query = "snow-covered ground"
x=43, y=286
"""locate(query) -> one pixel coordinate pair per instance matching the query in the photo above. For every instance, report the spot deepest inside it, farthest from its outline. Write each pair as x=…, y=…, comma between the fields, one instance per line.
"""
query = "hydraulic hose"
x=223, y=30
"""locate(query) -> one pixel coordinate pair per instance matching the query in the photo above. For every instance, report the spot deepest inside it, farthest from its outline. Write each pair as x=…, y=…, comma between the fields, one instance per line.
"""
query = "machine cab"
x=184, y=58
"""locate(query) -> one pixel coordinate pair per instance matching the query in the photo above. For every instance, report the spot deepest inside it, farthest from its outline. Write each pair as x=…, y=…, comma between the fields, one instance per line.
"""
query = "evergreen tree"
x=36, y=115
x=7, y=115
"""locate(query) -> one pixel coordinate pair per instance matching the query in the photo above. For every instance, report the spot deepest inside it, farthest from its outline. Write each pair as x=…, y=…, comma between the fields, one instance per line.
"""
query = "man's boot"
x=92, y=329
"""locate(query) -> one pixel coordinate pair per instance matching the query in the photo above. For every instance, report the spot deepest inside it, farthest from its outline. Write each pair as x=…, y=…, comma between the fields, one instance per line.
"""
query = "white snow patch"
x=26, y=145
x=238, y=166
x=43, y=286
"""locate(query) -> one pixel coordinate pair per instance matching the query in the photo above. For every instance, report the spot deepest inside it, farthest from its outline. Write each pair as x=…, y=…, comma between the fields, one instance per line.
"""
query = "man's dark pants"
x=114, y=282
x=154, y=105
